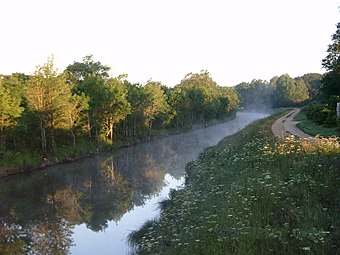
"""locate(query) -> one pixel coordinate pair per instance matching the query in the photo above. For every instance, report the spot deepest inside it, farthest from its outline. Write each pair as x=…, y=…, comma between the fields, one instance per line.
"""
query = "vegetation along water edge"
x=252, y=194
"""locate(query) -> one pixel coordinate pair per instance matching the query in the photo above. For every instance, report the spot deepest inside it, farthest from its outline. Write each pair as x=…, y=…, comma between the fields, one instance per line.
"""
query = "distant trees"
x=313, y=83
x=279, y=92
x=289, y=91
x=198, y=99
x=256, y=95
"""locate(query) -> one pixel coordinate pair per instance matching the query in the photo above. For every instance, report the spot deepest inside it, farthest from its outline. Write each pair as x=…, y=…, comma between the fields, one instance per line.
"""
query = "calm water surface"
x=90, y=206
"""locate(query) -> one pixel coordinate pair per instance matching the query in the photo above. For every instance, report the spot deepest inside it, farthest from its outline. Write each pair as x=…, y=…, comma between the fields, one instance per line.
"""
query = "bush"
x=316, y=112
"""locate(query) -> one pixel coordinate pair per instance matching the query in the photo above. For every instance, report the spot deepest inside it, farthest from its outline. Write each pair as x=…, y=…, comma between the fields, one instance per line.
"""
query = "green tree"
x=48, y=95
x=74, y=112
x=313, y=83
x=155, y=102
x=133, y=125
x=114, y=105
x=331, y=80
x=180, y=106
x=290, y=92
x=79, y=71
x=230, y=99
x=199, y=90
x=10, y=109
x=256, y=95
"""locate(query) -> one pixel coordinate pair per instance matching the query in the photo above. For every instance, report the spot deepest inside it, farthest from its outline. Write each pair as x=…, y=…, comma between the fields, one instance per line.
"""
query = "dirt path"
x=286, y=126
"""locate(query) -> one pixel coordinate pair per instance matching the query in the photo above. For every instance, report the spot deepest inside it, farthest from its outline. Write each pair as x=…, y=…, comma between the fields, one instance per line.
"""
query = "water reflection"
x=95, y=202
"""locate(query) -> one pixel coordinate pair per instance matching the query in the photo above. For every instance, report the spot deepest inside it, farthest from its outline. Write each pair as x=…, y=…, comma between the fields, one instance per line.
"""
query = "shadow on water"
x=90, y=206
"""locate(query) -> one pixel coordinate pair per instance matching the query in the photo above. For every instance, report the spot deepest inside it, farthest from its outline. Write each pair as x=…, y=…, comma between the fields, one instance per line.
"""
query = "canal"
x=91, y=205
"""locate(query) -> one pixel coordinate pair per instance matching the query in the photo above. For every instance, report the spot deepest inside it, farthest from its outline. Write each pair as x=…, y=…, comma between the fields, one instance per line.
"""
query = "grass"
x=314, y=129
x=252, y=194
x=14, y=162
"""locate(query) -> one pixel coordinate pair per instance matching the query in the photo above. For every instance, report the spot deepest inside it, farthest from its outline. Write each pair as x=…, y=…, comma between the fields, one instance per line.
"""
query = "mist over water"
x=90, y=206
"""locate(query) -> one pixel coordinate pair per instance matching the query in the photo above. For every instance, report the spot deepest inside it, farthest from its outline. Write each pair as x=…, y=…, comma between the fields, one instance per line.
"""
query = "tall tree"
x=75, y=111
x=331, y=80
x=10, y=109
x=155, y=102
x=289, y=92
x=134, y=123
x=90, y=77
x=313, y=83
x=48, y=94
x=114, y=105
x=78, y=71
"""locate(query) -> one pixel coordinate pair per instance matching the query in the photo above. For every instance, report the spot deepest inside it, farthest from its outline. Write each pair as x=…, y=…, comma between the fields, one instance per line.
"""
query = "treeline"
x=319, y=93
x=280, y=91
x=55, y=115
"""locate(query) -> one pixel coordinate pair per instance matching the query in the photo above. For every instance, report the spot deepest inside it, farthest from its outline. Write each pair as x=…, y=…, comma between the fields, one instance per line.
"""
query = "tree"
x=79, y=71
x=114, y=105
x=330, y=81
x=332, y=61
x=48, y=95
x=180, y=106
x=155, y=102
x=313, y=83
x=230, y=100
x=289, y=92
x=256, y=95
x=201, y=79
x=77, y=106
x=133, y=125
x=10, y=109
x=107, y=96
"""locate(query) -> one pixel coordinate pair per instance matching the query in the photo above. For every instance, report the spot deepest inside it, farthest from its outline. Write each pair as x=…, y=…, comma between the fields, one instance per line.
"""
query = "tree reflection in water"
x=39, y=211
x=45, y=206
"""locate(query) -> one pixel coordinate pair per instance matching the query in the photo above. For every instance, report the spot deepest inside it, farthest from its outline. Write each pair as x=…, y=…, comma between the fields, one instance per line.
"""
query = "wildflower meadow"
x=252, y=194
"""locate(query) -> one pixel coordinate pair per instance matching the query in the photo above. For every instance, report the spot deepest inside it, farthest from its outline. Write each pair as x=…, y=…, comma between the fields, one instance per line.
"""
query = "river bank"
x=252, y=194
x=29, y=161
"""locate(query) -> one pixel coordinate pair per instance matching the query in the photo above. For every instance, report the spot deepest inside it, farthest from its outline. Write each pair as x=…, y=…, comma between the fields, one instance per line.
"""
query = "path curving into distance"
x=286, y=126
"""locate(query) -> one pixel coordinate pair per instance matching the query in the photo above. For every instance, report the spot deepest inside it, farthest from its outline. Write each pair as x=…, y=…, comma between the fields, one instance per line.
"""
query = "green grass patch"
x=312, y=128
x=252, y=194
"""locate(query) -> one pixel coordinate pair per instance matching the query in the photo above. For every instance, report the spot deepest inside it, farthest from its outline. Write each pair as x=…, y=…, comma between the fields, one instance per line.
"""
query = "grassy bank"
x=312, y=128
x=252, y=195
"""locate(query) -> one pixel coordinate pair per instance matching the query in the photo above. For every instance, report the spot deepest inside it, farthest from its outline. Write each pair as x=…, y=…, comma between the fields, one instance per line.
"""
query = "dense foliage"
x=50, y=116
x=331, y=63
x=324, y=112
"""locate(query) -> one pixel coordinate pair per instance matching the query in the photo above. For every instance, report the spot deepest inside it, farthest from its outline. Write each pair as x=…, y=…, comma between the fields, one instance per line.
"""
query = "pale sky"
x=162, y=40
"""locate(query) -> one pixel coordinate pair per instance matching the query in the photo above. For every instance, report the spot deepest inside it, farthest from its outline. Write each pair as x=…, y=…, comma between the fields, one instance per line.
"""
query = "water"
x=90, y=206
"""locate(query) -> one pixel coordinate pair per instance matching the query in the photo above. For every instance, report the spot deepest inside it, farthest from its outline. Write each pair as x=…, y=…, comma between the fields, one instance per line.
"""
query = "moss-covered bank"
x=252, y=194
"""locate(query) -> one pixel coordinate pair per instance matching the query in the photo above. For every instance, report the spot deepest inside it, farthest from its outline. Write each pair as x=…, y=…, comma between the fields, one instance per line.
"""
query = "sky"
x=164, y=40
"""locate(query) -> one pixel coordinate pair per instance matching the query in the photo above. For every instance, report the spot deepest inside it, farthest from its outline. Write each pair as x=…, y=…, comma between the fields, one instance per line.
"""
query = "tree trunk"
x=111, y=132
x=43, y=138
x=2, y=138
x=53, y=143
x=88, y=125
x=134, y=125
x=73, y=137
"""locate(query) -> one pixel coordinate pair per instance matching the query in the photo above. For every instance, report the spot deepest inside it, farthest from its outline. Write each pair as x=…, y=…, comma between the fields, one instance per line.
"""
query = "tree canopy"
x=331, y=80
